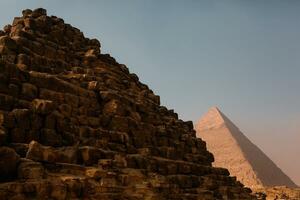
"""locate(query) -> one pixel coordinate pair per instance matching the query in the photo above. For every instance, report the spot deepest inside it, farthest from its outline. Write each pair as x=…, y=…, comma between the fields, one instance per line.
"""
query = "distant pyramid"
x=234, y=151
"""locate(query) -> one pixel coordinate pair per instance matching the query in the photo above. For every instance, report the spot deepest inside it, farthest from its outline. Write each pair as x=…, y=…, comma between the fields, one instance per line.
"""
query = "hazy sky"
x=243, y=56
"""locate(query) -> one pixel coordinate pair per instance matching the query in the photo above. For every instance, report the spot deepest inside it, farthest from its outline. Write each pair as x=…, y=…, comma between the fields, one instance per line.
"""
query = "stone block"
x=6, y=102
x=29, y=91
x=26, y=12
x=65, y=110
x=2, y=118
x=22, y=118
x=119, y=123
x=8, y=163
x=113, y=107
x=3, y=136
x=38, y=152
x=8, y=42
x=105, y=163
x=20, y=148
x=28, y=169
x=90, y=155
x=13, y=90
x=38, y=12
x=17, y=135
x=42, y=106
x=50, y=137
x=95, y=173
x=56, y=97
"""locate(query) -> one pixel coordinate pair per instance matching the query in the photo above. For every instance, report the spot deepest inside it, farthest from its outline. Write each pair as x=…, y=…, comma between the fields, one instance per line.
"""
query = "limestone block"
x=22, y=118
x=38, y=152
x=26, y=12
x=56, y=97
x=8, y=42
x=95, y=173
x=20, y=148
x=28, y=169
x=38, y=12
x=119, y=123
x=114, y=107
x=90, y=155
x=3, y=135
x=6, y=102
x=13, y=90
x=8, y=163
x=43, y=106
x=50, y=137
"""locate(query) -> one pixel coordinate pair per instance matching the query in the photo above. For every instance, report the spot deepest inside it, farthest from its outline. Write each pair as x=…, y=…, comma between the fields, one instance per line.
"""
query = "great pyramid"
x=234, y=151
x=75, y=124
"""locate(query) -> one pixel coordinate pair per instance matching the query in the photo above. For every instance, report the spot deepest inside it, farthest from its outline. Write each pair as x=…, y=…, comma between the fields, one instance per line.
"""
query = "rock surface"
x=279, y=192
x=234, y=151
x=8, y=163
x=86, y=128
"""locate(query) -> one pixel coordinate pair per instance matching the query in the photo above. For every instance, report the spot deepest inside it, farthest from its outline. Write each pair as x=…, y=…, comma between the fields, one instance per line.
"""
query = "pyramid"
x=234, y=151
x=76, y=124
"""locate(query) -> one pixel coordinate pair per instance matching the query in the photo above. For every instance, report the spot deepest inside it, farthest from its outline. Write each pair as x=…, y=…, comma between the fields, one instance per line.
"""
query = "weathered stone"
x=23, y=59
x=90, y=155
x=93, y=85
x=6, y=102
x=13, y=90
x=113, y=107
x=2, y=33
x=8, y=119
x=8, y=163
x=3, y=135
x=29, y=91
x=20, y=148
x=8, y=42
x=100, y=132
x=26, y=12
x=7, y=28
x=42, y=106
x=95, y=173
x=50, y=137
x=38, y=152
x=105, y=163
x=17, y=135
x=91, y=54
x=7, y=54
x=22, y=118
x=28, y=169
x=51, y=120
x=2, y=120
x=18, y=21
x=38, y=12
x=65, y=109
x=119, y=124
x=29, y=23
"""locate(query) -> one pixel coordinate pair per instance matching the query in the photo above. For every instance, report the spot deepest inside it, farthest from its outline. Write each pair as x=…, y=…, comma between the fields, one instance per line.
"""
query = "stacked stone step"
x=74, y=123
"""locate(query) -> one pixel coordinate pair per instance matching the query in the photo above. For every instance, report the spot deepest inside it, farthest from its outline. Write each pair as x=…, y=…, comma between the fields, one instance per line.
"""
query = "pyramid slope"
x=233, y=150
x=75, y=124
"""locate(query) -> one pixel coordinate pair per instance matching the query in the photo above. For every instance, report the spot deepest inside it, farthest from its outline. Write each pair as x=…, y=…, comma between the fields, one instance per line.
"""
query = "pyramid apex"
x=215, y=108
x=213, y=118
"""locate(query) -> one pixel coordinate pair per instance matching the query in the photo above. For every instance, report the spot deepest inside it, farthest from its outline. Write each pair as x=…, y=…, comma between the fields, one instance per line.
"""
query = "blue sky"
x=243, y=56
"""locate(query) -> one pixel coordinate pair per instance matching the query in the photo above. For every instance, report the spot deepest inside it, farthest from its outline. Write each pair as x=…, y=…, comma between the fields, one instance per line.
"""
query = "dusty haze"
x=234, y=151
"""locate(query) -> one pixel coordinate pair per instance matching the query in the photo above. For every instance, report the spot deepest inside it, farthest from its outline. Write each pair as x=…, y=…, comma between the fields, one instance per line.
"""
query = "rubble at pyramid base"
x=278, y=192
